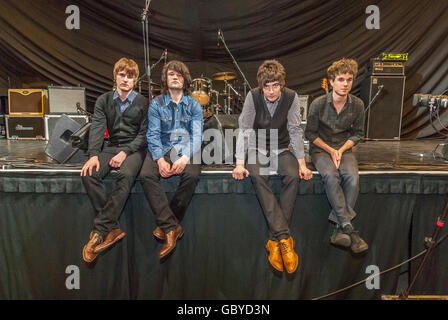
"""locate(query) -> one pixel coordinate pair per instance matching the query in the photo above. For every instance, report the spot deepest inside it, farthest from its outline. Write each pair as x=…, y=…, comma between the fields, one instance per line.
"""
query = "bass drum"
x=200, y=88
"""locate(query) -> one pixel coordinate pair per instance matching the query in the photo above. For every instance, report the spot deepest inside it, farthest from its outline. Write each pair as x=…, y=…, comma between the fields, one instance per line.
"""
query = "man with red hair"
x=123, y=112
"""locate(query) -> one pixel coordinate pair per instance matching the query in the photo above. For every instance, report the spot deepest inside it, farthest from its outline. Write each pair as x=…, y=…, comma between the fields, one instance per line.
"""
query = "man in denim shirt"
x=174, y=142
x=335, y=125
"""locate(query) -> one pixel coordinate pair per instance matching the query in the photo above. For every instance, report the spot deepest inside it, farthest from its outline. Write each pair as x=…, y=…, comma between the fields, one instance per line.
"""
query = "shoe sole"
x=157, y=237
x=84, y=255
x=121, y=236
x=361, y=250
x=346, y=243
x=167, y=253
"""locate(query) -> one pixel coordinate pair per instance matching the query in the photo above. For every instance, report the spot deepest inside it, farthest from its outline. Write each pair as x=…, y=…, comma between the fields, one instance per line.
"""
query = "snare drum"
x=201, y=90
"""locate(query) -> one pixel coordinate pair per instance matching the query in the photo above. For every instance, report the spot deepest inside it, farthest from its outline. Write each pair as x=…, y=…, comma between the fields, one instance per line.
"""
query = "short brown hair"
x=128, y=65
x=270, y=71
x=341, y=67
x=181, y=68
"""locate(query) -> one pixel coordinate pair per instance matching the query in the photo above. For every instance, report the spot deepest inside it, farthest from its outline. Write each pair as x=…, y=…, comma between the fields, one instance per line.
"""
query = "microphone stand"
x=246, y=83
x=145, y=31
x=380, y=88
x=430, y=244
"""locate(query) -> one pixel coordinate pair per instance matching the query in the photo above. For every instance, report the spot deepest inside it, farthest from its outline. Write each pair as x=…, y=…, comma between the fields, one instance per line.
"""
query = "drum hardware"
x=201, y=88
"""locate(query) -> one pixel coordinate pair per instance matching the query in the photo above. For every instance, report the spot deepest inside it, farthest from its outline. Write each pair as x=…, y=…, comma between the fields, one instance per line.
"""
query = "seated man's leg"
x=96, y=191
x=288, y=169
x=332, y=183
x=350, y=179
x=281, y=245
x=150, y=180
x=124, y=182
x=184, y=193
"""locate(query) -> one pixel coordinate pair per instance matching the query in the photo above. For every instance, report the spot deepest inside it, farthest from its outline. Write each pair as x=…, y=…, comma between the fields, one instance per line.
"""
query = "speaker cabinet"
x=384, y=115
x=27, y=102
x=64, y=99
x=59, y=146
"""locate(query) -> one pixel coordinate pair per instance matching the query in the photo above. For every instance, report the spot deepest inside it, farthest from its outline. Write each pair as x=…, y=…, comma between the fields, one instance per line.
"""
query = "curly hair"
x=129, y=66
x=179, y=67
x=341, y=67
x=270, y=71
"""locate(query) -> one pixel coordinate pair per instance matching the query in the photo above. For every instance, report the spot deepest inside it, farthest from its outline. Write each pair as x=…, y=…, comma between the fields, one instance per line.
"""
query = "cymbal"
x=152, y=82
x=224, y=76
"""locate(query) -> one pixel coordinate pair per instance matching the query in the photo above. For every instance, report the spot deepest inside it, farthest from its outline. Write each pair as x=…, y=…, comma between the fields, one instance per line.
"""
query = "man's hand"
x=179, y=165
x=164, y=168
x=93, y=162
x=118, y=159
x=305, y=173
x=336, y=156
x=239, y=172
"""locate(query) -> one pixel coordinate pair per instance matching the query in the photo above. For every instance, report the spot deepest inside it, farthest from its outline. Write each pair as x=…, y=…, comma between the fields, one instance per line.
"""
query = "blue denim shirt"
x=174, y=125
x=123, y=105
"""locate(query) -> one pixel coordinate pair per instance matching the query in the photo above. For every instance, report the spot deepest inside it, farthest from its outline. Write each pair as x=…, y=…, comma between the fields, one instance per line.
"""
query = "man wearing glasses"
x=269, y=124
x=124, y=113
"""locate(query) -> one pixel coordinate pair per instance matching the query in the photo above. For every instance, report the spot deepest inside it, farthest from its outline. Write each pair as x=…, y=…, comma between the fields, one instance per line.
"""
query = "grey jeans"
x=341, y=185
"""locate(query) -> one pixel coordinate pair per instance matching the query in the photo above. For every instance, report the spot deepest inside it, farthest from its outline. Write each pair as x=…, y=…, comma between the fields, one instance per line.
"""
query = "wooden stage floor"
x=373, y=156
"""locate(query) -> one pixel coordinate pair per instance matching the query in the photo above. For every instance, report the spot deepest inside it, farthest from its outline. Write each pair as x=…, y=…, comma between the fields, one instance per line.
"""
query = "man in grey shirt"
x=335, y=125
x=269, y=124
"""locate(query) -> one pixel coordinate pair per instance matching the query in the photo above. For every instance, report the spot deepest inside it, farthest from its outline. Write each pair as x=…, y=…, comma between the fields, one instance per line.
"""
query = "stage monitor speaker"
x=64, y=99
x=384, y=115
x=60, y=147
x=222, y=122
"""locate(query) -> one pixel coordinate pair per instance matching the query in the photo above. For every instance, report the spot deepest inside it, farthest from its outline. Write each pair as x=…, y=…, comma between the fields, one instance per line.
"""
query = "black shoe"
x=358, y=244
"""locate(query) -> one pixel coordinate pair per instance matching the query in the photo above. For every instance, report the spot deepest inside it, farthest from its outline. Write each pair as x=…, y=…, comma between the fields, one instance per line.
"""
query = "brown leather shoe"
x=111, y=238
x=170, y=241
x=159, y=233
x=290, y=257
x=88, y=253
x=275, y=255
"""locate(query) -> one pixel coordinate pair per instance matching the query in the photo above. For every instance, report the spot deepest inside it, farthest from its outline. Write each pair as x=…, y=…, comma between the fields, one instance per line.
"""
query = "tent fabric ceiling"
x=305, y=36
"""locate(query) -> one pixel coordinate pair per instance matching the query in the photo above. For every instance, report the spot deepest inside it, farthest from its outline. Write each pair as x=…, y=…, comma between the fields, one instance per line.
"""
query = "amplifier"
x=27, y=102
x=52, y=119
x=31, y=128
x=64, y=99
x=387, y=68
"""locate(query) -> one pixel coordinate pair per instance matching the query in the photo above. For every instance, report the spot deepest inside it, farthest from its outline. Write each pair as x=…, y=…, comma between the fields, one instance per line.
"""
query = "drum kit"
x=218, y=95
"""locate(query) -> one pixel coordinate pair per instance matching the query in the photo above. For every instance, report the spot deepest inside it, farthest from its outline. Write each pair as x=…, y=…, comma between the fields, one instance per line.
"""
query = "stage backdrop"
x=306, y=36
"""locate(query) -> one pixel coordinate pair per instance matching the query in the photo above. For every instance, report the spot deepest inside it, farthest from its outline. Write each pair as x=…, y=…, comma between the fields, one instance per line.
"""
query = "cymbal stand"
x=245, y=82
x=145, y=31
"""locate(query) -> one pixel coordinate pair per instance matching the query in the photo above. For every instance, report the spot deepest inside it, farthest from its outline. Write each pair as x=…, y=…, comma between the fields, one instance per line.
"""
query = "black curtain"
x=306, y=36
x=45, y=221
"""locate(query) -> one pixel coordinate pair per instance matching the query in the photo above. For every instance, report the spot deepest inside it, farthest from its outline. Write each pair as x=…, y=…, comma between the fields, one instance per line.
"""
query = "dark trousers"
x=341, y=185
x=168, y=215
x=278, y=214
x=108, y=208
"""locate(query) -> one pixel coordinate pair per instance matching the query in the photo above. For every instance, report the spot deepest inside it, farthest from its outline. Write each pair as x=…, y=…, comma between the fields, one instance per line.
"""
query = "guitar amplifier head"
x=64, y=99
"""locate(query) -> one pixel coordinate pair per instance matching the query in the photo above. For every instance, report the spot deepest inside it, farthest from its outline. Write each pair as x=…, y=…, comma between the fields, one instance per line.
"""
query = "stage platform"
x=46, y=217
